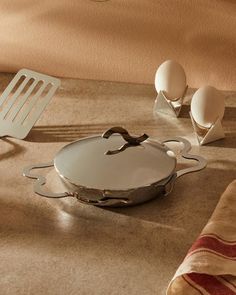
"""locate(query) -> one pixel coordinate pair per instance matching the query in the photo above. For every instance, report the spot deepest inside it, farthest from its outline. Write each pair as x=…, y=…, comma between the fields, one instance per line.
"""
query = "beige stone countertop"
x=55, y=247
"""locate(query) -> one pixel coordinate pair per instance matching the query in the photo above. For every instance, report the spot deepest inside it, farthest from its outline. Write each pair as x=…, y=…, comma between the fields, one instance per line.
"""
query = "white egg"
x=207, y=106
x=171, y=79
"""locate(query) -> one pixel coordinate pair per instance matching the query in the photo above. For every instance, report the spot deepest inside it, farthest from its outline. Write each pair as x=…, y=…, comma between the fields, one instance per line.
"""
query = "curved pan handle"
x=202, y=162
x=41, y=181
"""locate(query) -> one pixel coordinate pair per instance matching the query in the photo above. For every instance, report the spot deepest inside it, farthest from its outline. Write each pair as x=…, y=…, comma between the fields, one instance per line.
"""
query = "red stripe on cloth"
x=229, y=282
x=214, y=244
x=191, y=284
x=219, y=238
x=202, y=250
x=210, y=284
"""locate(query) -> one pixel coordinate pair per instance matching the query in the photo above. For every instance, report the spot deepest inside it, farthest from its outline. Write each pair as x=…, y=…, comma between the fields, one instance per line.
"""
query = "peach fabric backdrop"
x=121, y=40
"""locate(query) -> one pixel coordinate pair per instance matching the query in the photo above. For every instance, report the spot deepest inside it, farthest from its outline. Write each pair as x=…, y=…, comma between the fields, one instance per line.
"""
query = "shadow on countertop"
x=229, y=115
x=188, y=206
x=13, y=151
x=68, y=133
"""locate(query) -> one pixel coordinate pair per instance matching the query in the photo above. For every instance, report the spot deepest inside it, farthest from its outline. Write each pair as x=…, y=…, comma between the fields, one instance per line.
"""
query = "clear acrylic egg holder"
x=207, y=135
x=169, y=107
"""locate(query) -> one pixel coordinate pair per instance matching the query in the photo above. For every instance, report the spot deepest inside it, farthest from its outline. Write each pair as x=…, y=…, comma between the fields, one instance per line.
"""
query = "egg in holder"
x=115, y=169
x=207, y=111
x=170, y=84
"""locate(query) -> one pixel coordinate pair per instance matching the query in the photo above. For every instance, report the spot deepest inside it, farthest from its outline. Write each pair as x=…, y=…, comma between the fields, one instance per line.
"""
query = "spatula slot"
x=46, y=90
x=8, y=93
x=38, y=104
x=27, y=103
x=16, y=103
x=37, y=87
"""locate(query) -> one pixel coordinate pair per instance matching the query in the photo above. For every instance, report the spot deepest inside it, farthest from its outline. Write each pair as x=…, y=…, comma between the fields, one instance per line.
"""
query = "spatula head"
x=23, y=101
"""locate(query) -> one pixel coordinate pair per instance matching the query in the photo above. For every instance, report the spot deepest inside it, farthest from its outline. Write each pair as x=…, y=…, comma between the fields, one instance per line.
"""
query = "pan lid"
x=115, y=161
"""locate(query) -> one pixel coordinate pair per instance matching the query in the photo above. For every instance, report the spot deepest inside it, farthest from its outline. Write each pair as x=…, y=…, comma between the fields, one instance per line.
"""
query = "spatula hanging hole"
x=39, y=105
x=13, y=90
x=17, y=101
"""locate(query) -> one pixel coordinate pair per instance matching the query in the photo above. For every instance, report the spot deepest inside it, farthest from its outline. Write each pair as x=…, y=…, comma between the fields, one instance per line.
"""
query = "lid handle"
x=131, y=141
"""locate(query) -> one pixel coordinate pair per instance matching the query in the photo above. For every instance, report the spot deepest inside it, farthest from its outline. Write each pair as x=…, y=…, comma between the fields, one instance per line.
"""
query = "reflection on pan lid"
x=87, y=163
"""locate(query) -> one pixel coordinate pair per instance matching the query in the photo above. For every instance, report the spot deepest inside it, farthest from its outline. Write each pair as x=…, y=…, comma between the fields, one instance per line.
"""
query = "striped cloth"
x=210, y=265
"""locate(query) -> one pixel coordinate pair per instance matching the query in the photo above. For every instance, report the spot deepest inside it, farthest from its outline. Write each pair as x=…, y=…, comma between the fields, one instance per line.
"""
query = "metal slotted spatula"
x=23, y=101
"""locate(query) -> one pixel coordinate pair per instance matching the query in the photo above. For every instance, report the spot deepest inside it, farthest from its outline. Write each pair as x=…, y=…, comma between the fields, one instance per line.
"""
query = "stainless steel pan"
x=115, y=169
